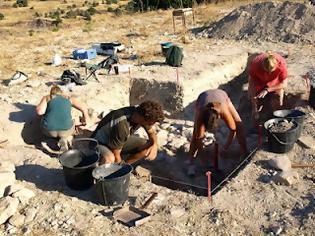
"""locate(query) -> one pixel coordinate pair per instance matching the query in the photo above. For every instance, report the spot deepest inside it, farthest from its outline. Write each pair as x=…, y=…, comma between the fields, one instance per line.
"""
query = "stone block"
x=177, y=212
x=162, y=137
x=285, y=178
x=24, y=195
x=17, y=220
x=6, y=179
x=142, y=172
x=307, y=141
x=8, y=207
x=30, y=214
x=280, y=162
x=12, y=189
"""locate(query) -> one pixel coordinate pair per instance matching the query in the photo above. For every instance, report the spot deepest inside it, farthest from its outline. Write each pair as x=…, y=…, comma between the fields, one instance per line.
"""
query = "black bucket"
x=281, y=142
x=296, y=115
x=311, y=98
x=77, y=168
x=112, y=183
x=165, y=46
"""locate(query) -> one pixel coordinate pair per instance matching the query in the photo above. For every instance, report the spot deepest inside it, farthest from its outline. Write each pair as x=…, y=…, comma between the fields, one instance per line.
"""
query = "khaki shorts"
x=133, y=145
x=59, y=133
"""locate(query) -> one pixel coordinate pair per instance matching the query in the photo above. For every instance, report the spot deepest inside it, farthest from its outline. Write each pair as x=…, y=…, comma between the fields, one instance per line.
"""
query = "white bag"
x=56, y=61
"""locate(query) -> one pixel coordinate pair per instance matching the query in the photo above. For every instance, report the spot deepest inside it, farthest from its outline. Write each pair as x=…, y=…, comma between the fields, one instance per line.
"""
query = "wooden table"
x=182, y=13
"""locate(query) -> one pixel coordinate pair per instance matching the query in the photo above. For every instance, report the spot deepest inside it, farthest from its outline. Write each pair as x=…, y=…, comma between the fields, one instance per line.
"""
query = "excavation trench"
x=178, y=98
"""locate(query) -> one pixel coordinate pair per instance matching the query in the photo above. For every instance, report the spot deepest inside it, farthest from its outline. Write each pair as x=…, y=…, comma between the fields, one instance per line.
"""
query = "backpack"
x=69, y=76
x=174, y=56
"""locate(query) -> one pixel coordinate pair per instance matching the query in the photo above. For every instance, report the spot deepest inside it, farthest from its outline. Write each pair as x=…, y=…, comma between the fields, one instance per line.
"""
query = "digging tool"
x=148, y=202
x=302, y=165
x=132, y=216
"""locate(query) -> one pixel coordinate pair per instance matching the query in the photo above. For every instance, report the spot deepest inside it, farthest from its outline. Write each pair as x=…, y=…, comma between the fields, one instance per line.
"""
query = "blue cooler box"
x=80, y=54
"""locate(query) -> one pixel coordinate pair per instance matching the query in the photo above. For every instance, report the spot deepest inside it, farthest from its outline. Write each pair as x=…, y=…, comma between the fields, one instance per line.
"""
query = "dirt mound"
x=288, y=22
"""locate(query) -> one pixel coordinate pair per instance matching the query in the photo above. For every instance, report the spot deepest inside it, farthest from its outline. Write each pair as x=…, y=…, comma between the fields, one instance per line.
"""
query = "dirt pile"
x=288, y=22
x=281, y=127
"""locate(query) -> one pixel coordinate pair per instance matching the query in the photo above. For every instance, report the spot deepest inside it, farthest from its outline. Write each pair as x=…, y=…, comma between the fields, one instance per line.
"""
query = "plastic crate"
x=80, y=54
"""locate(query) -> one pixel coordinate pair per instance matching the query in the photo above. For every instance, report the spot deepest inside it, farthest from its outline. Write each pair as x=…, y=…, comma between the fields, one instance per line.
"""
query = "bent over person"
x=211, y=106
x=57, y=120
x=115, y=133
x=267, y=82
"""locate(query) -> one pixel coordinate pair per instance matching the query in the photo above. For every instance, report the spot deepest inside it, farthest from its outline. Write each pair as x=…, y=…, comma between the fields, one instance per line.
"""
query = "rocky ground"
x=261, y=200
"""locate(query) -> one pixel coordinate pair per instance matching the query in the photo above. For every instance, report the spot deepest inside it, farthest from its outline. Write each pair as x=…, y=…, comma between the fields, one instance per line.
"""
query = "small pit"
x=178, y=98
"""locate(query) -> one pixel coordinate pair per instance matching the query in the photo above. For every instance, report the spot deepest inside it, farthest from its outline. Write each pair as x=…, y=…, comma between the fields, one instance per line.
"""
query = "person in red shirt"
x=267, y=79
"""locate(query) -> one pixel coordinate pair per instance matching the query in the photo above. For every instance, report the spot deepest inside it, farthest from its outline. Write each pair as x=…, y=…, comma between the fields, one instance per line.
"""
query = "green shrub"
x=88, y=17
x=118, y=12
x=22, y=3
x=55, y=29
x=57, y=22
x=71, y=14
x=1, y=16
x=91, y=11
x=31, y=32
x=95, y=4
x=110, y=9
x=37, y=14
x=15, y=5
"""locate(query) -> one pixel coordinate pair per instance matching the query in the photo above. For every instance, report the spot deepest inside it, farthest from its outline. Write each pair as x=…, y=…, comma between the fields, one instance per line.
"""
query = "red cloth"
x=262, y=78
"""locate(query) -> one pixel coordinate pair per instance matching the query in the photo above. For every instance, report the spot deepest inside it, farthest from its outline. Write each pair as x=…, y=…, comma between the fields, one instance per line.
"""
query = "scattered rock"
x=188, y=132
x=285, y=178
x=6, y=178
x=23, y=195
x=162, y=137
x=8, y=207
x=307, y=141
x=177, y=142
x=276, y=229
x=26, y=231
x=165, y=125
x=177, y=212
x=280, y=163
x=30, y=214
x=10, y=229
x=12, y=189
x=142, y=172
x=17, y=220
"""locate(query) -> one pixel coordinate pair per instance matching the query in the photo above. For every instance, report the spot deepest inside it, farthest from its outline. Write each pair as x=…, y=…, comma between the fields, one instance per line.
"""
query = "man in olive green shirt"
x=115, y=133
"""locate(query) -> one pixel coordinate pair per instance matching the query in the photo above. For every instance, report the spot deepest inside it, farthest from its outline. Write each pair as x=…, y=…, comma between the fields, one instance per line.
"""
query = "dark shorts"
x=133, y=145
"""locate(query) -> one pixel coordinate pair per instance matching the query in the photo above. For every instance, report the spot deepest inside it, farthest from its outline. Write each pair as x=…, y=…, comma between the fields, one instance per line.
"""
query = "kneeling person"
x=115, y=133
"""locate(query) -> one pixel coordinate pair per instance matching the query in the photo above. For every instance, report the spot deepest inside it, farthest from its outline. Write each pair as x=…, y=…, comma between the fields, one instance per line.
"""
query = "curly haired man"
x=115, y=133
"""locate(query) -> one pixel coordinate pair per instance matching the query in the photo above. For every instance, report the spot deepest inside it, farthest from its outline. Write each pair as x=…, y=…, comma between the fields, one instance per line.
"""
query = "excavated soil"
x=281, y=127
x=270, y=21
